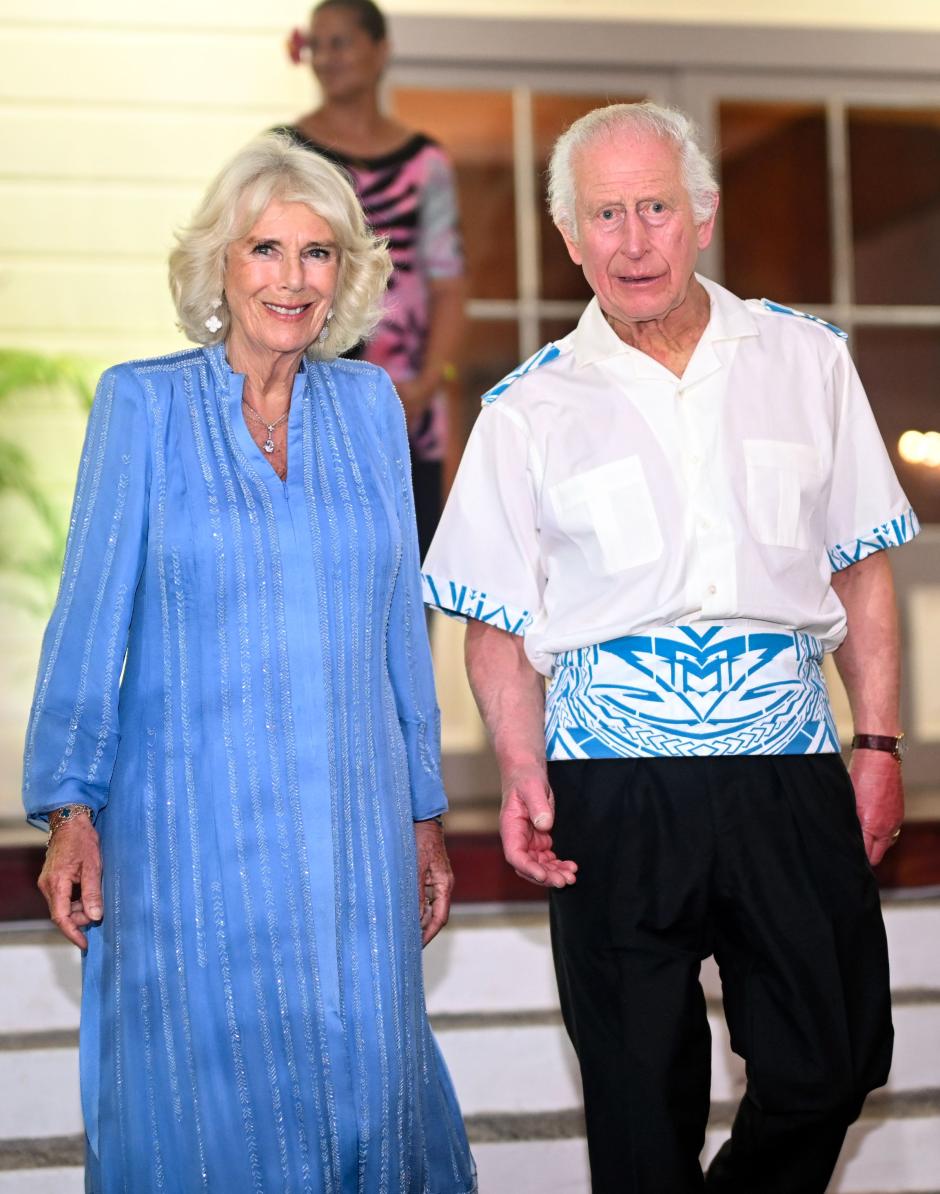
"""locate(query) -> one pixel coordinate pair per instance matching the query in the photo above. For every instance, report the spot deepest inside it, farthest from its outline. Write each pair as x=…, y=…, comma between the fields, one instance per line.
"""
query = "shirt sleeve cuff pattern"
x=461, y=601
x=898, y=531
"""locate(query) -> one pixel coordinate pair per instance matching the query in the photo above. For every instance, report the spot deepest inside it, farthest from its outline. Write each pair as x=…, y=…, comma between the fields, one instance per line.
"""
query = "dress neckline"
x=384, y=161
x=232, y=388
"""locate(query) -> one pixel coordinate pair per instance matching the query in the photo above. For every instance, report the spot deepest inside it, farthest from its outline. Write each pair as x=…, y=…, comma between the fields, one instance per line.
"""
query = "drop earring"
x=325, y=330
x=213, y=323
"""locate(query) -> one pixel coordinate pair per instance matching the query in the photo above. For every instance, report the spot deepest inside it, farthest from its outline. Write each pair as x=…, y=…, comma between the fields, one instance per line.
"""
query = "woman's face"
x=280, y=281
x=345, y=59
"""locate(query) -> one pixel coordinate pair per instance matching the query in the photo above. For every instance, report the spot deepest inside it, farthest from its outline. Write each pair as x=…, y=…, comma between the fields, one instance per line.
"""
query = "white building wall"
x=113, y=116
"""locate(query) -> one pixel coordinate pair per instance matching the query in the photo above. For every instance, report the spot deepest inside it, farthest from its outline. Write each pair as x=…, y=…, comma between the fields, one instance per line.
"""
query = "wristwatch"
x=886, y=742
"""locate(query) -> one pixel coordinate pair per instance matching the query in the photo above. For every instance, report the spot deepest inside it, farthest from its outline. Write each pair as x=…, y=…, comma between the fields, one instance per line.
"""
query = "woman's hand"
x=435, y=878
x=73, y=860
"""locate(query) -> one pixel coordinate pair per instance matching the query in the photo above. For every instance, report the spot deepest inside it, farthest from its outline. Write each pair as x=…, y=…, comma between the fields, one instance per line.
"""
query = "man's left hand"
x=879, y=799
x=435, y=878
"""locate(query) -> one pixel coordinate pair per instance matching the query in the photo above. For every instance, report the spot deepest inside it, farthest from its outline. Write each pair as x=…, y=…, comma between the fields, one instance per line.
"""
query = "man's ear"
x=570, y=243
x=705, y=230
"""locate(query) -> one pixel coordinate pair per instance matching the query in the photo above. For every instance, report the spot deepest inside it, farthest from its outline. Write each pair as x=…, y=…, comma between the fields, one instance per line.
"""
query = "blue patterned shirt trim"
x=461, y=601
x=895, y=533
x=780, y=309
x=691, y=691
x=545, y=354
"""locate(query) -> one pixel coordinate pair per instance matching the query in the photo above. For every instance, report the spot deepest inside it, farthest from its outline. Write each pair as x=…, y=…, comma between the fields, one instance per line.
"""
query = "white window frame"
x=836, y=95
x=528, y=310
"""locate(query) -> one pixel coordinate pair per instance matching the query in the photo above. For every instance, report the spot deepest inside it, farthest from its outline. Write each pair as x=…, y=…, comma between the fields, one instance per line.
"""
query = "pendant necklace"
x=268, y=444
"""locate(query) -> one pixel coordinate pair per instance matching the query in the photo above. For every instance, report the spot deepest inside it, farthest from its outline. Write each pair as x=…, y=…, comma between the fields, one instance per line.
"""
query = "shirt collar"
x=595, y=340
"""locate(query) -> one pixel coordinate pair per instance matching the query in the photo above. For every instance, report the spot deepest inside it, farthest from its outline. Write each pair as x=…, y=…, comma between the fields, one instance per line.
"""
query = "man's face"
x=637, y=241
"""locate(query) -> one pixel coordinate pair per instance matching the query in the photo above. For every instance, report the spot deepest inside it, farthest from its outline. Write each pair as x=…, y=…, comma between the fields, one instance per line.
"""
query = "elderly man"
x=673, y=513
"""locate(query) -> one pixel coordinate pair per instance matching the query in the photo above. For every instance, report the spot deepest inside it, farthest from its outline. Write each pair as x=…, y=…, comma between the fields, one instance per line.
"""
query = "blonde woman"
x=234, y=739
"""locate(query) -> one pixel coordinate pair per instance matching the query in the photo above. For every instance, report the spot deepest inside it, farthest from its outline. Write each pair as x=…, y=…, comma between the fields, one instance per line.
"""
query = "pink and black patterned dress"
x=410, y=197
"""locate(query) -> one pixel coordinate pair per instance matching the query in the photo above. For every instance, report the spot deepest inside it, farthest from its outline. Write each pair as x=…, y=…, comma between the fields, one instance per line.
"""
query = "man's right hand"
x=525, y=819
x=73, y=860
x=510, y=695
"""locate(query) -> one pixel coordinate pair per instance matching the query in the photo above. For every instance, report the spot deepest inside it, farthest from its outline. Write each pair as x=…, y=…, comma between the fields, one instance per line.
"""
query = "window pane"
x=895, y=179
x=555, y=329
x=900, y=367
x=475, y=127
x=551, y=115
x=775, y=202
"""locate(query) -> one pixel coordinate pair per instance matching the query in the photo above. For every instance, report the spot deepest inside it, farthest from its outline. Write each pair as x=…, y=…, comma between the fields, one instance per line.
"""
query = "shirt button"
x=712, y=590
x=705, y=524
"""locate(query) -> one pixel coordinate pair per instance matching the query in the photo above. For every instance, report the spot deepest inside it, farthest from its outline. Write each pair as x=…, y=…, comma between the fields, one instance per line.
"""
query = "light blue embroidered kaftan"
x=253, y=1013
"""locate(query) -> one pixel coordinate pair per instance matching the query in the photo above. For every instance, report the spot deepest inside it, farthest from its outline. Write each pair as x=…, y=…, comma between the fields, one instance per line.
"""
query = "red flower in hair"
x=298, y=45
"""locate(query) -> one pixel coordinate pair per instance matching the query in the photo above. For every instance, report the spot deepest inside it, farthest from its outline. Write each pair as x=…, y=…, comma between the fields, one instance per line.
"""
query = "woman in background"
x=406, y=186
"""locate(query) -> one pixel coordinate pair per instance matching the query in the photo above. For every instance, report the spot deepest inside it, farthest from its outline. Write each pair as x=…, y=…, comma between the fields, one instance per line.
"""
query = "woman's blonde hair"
x=274, y=167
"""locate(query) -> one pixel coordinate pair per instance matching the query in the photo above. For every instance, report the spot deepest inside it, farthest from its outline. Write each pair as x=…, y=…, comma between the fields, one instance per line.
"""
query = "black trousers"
x=760, y=861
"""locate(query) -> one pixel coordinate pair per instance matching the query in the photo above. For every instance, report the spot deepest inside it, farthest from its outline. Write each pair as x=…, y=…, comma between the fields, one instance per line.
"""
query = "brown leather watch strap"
x=886, y=742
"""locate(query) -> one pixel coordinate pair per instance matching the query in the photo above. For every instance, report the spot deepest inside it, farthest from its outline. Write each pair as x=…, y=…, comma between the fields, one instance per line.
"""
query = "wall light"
x=920, y=447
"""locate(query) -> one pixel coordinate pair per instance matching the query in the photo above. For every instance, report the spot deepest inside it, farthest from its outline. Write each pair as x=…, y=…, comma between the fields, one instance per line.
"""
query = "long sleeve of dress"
x=409, y=654
x=73, y=731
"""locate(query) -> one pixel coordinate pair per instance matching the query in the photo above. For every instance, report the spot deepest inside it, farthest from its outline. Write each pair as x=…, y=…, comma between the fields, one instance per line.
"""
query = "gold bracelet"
x=68, y=812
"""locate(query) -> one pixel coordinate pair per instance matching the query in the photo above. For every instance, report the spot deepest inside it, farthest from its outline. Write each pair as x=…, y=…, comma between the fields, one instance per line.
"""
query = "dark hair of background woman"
x=369, y=15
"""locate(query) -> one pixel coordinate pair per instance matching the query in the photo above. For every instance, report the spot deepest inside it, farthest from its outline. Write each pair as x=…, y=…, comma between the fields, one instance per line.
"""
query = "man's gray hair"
x=647, y=119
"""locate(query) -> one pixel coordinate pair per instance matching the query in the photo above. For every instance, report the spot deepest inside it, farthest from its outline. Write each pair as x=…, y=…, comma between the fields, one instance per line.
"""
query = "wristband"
x=61, y=816
x=886, y=742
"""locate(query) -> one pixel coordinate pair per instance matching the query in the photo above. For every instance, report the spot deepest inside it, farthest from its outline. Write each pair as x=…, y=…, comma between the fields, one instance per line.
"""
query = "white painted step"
x=41, y=988
x=535, y=1063
x=538, y=1070
x=536, y=1167
x=902, y=1156
x=478, y=964
x=39, y=1094
x=42, y=1181
x=475, y=967
x=486, y=965
x=899, y=1155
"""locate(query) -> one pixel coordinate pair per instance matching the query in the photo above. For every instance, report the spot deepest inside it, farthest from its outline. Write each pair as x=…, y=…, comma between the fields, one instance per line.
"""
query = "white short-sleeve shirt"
x=602, y=497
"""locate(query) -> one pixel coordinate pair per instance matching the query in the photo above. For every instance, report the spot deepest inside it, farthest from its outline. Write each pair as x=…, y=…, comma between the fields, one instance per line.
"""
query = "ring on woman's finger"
x=896, y=834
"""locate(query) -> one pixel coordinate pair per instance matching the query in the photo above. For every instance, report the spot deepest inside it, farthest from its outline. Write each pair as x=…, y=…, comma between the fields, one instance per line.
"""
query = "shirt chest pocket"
x=608, y=511
x=782, y=484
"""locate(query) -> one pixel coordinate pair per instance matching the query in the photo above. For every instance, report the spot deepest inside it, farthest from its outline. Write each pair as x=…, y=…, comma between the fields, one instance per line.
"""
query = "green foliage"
x=21, y=370
x=30, y=564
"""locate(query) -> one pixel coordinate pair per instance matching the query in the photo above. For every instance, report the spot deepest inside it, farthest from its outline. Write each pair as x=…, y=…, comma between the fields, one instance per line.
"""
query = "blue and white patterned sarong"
x=697, y=690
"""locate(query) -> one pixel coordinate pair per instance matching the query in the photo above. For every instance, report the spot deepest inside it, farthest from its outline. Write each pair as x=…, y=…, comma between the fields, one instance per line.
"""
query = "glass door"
x=523, y=288
x=831, y=204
